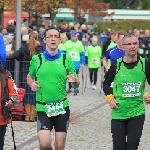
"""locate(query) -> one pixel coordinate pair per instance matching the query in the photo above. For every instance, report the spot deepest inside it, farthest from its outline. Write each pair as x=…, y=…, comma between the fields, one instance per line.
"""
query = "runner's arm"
x=105, y=63
x=30, y=79
x=82, y=58
x=147, y=70
x=109, y=78
x=32, y=70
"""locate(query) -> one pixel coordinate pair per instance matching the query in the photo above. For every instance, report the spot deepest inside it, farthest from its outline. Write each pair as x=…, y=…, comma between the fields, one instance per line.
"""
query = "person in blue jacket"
x=2, y=49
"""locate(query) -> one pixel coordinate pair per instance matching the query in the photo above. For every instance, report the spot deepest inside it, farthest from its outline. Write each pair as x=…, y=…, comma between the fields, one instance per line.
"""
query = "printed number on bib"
x=54, y=109
x=131, y=89
x=73, y=54
x=95, y=60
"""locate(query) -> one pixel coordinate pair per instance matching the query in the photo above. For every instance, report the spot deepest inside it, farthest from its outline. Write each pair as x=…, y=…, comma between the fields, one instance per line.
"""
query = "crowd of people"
x=50, y=54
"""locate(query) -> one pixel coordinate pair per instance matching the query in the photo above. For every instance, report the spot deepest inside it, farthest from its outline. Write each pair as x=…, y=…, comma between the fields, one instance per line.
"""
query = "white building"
x=66, y=14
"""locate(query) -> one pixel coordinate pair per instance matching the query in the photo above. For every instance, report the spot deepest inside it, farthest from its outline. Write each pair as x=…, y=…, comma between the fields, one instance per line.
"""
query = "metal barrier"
x=23, y=70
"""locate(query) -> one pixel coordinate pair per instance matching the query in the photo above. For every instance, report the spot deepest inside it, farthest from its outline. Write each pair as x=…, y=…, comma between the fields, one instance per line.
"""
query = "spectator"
x=25, y=54
x=103, y=38
x=94, y=28
x=7, y=99
x=108, y=32
x=25, y=35
x=2, y=50
x=41, y=37
x=25, y=23
x=146, y=44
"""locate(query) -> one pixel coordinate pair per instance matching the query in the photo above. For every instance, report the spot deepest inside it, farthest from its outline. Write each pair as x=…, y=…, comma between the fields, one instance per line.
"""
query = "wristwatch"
x=12, y=99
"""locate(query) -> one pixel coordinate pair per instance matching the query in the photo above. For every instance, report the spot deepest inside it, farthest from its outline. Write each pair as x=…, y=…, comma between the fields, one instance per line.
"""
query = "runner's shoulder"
x=112, y=49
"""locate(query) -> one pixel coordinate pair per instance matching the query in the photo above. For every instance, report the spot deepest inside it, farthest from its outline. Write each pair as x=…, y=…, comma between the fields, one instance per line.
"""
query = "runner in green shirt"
x=94, y=54
x=51, y=69
x=75, y=49
x=126, y=100
x=63, y=39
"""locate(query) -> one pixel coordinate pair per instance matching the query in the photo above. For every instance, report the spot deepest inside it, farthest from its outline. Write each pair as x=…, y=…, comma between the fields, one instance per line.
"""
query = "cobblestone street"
x=89, y=128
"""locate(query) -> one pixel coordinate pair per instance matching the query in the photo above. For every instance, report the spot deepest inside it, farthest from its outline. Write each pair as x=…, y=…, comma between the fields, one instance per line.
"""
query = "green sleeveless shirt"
x=128, y=90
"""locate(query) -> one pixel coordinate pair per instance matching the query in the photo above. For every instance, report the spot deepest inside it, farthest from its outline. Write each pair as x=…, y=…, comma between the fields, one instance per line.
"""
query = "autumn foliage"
x=52, y=6
x=91, y=6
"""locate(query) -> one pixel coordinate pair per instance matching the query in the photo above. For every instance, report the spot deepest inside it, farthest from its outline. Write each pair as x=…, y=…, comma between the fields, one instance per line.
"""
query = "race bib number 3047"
x=131, y=89
x=54, y=109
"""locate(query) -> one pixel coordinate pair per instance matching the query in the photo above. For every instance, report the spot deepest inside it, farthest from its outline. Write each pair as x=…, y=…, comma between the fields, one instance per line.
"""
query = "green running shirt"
x=51, y=77
x=62, y=46
x=94, y=54
x=73, y=49
x=128, y=90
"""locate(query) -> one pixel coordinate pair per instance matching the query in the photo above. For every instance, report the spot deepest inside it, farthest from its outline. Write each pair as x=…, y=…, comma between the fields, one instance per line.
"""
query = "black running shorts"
x=60, y=122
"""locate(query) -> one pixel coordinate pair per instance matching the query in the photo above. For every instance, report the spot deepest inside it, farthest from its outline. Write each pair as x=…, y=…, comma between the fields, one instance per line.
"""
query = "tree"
x=51, y=6
x=91, y=6
x=40, y=6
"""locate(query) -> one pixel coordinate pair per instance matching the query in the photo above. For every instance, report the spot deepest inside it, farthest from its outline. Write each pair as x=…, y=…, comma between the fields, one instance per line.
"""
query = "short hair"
x=94, y=38
x=127, y=35
x=10, y=28
x=114, y=33
x=52, y=28
x=63, y=35
x=122, y=32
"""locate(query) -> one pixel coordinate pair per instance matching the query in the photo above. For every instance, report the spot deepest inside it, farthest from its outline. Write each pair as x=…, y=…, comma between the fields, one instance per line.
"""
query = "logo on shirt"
x=58, y=63
x=122, y=74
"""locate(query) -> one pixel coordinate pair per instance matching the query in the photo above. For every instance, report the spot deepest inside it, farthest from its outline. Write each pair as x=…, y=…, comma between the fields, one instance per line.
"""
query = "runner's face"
x=131, y=46
x=52, y=40
x=120, y=40
x=94, y=42
x=115, y=38
x=63, y=39
x=74, y=38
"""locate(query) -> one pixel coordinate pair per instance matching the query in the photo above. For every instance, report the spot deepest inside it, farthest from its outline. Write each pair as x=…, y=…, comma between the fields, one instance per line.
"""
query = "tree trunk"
x=52, y=15
x=2, y=18
x=30, y=11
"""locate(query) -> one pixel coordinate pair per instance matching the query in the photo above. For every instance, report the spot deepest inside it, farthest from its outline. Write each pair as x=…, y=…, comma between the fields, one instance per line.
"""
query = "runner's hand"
x=71, y=78
x=34, y=86
x=147, y=99
x=107, y=68
x=113, y=104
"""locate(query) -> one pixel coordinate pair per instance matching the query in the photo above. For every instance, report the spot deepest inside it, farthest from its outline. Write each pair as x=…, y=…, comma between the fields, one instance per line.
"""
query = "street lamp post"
x=18, y=38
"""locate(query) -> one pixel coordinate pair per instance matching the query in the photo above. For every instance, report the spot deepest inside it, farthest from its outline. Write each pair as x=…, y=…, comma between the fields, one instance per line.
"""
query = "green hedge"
x=123, y=25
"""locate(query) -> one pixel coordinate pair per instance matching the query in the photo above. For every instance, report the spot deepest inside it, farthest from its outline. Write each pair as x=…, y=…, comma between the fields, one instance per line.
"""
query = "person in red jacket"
x=7, y=98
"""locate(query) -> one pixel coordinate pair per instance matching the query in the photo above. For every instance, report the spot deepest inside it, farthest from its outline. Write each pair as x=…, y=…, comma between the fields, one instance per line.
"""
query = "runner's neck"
x=127, y=59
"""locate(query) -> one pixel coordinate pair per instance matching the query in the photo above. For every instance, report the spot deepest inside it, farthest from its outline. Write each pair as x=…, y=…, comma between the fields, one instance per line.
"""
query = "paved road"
x=89, y=128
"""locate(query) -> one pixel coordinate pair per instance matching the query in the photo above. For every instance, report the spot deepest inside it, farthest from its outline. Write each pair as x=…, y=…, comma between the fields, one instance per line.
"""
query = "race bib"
x=54, y=109
x=95, y=60
x=73, y=54
x=131, y=89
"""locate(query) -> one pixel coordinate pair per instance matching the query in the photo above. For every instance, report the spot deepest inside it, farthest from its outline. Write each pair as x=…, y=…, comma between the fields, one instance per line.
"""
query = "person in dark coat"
x=24, y=54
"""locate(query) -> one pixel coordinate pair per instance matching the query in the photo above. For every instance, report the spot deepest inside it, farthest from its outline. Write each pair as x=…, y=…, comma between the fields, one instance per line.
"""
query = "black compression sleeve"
x=109, y=78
